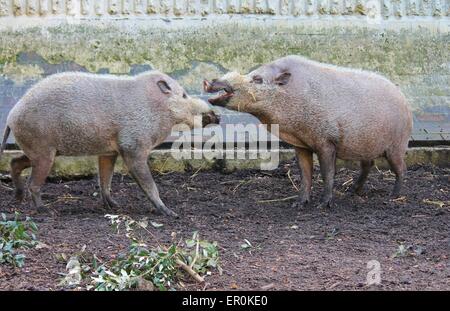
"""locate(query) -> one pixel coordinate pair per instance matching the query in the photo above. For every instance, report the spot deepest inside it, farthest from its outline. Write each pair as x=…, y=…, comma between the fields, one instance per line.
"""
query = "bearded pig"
x=76, y=114
x=332, y=111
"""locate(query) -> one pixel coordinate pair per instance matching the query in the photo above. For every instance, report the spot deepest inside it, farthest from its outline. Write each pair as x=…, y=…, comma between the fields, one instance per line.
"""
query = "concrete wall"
x=406, y=40
x=161, y=161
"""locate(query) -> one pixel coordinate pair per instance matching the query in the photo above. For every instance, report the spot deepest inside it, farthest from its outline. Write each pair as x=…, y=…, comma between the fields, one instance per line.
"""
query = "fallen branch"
x=189, y=271
x=182, y=265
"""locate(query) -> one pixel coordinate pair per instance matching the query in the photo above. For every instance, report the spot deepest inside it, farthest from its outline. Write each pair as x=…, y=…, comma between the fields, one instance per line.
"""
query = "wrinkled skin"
x=331, y=111
x=76, y=114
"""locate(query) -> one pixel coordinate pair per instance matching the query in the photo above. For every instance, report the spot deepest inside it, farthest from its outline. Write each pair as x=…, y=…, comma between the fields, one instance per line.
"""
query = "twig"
x=334, y=285
x=6, y=187
x=229, y=182
x=378, y=170
x=152, y=235
x=292, y=182
x=278, y=200
x=419, y=216
x=400, y=199
x=243, y=182
x=197, y=248
x=67, y=197
x=189, y=271
x=161, y=171
x=196, y=172
x=347, y=182
x=440, y=204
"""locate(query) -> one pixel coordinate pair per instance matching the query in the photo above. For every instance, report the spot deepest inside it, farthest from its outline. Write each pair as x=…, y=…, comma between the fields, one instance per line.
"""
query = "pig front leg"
x=397, y=162
x=305, y=163
x=105, y=173
x=136, y=162
x=365, y=170
x=327, y=161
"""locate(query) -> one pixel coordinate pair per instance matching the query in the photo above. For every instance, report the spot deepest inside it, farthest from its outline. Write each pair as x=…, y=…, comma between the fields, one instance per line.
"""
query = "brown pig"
x=76, y=114
x=332, y=111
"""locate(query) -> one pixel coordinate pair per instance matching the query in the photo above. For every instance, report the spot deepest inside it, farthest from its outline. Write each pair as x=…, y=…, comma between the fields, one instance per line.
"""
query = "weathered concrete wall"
x=407, y=40
x=161, y=161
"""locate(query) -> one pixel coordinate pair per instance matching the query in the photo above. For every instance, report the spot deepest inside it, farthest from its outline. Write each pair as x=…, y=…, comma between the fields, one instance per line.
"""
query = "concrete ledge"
x=163, y=161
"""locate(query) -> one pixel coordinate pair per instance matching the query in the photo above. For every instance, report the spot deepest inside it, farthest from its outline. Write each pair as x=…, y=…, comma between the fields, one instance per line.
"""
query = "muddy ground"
x=293, y=249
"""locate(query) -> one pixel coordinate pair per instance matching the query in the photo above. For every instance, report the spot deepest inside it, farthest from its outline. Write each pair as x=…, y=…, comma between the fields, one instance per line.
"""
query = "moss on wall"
x=192, y=53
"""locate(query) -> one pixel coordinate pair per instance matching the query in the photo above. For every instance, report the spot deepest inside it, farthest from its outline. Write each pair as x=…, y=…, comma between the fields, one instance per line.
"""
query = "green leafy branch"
x=16, y=235
x=158, y=267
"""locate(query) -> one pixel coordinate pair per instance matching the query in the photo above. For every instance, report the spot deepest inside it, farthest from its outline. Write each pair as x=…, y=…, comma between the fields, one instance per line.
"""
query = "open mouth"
x=224, y=90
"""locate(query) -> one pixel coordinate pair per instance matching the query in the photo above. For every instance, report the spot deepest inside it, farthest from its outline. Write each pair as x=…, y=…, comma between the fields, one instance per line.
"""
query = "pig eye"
x=184, y=95
x=257, y=79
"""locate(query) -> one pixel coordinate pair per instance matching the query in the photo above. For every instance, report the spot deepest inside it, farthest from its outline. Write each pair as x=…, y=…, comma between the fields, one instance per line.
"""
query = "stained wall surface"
x=406, y=40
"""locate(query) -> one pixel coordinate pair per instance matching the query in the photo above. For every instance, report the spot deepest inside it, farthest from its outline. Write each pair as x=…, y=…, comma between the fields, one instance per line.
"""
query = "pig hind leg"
x=305, y=163
x=136, y=163
x=327, y=161
x=105, y=173
x=40, y=168
x=397, y=163
x=365, y=170
x=17, y=166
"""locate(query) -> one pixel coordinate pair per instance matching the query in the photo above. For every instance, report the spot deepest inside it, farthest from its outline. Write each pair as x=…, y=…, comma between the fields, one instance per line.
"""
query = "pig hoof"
x=19, y=195
x=303, y=202
x=19, y=198
x=172, y=214
x=110, y=204
x=166, y=211
x=325, y=203
x=356, y=189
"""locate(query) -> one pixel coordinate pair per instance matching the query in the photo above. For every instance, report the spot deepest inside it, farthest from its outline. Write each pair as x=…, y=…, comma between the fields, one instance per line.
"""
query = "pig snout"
x=210, y=118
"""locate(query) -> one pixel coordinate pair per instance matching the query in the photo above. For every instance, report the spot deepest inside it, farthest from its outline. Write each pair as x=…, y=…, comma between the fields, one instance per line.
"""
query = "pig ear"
x=283, y=78
x=164, y=87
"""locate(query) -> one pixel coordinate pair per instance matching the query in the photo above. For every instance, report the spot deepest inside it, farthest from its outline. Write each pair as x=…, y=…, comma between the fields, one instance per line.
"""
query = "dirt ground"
x=293, y=249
